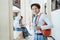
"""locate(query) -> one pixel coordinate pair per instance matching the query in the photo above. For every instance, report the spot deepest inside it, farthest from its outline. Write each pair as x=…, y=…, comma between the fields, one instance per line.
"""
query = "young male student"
x=38, y=24
x=18, y=35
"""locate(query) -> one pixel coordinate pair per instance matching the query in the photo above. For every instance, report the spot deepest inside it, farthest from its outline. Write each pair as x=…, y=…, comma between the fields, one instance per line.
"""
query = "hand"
x=38, y=28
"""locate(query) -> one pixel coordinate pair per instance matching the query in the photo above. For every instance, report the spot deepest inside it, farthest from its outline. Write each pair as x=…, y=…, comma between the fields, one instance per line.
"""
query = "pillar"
x=6, y=30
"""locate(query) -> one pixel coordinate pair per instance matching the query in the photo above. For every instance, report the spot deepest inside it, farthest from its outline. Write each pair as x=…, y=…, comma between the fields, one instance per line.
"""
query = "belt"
x=39, y=33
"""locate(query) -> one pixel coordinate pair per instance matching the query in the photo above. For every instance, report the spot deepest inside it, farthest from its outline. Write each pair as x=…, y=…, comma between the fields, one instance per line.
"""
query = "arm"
x=49, y=24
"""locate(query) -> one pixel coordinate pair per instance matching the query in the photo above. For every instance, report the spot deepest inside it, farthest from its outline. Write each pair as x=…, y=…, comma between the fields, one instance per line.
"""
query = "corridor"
x=13, y=10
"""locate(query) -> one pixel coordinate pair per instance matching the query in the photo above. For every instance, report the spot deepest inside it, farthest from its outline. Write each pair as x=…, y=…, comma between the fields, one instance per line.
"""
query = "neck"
x=37, y=13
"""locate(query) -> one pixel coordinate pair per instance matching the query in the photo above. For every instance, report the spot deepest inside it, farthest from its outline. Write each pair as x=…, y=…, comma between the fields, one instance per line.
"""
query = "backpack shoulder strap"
x=39, y=16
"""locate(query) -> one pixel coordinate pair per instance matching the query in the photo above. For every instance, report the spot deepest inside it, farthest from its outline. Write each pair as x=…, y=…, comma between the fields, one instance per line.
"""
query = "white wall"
x=55, y=15
x=5, y=26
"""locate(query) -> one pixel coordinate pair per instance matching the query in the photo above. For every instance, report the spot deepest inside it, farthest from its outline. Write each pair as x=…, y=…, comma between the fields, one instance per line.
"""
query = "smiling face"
x=15, y=14
x=35, y=9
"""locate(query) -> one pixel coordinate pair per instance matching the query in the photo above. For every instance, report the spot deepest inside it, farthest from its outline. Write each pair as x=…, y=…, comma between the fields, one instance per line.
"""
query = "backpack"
x=46, y=32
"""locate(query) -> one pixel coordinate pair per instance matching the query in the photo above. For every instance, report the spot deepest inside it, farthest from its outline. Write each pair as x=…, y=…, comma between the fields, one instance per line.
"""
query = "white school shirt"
x=43, y=18
x=16, y=22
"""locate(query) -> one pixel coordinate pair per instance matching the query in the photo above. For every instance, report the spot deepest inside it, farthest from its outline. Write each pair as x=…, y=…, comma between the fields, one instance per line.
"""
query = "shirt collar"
x=38, y=13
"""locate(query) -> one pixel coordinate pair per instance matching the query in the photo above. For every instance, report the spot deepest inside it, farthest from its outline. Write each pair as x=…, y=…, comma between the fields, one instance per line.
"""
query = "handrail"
x=52, y=37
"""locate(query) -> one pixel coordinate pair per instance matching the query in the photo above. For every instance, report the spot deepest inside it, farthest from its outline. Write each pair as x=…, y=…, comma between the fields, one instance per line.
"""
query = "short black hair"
x=21, y=17
x=35, y=4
